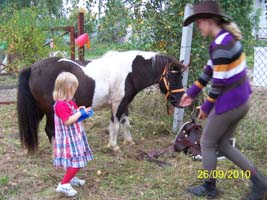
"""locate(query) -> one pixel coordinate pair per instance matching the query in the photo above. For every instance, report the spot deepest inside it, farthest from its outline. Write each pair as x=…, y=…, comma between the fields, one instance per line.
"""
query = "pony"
x=112, y=80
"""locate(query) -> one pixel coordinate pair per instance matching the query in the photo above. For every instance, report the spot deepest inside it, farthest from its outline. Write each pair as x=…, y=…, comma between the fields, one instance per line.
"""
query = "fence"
x=259, y=73
x=8, y=88
x=255, y=124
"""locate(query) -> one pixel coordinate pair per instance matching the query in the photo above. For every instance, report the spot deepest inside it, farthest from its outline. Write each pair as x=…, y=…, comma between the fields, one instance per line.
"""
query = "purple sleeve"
x=193, y=91
x=207, y=106
x=202, y=81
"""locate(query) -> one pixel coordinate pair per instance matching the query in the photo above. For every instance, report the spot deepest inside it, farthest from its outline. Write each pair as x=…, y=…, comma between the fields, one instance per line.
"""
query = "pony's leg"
x=114, y=127
x=125, y=128
x=50, y=127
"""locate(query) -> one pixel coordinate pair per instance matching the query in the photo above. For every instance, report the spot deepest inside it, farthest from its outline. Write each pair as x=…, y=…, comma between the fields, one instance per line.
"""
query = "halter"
x=167, y=84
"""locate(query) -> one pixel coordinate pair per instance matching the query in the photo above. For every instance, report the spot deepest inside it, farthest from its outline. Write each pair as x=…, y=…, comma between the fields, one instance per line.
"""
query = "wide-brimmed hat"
x=206, y=9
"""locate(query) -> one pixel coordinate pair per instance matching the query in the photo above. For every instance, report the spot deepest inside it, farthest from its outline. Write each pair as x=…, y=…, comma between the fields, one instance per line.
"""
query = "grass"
x=122, y=176
x=4, y=180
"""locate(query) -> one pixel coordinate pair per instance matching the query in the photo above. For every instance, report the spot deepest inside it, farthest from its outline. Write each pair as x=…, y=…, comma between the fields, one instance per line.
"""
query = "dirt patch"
x=8, y=96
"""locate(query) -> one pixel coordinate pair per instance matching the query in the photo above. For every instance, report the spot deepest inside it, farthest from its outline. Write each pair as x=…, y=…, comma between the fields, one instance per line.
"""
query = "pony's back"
x=116, y=61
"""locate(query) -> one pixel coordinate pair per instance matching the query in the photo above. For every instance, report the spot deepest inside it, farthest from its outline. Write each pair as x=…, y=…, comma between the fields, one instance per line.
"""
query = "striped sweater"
x=226, y=69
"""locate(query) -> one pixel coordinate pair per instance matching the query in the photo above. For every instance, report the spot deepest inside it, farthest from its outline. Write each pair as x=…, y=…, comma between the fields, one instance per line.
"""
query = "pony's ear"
x=138, y=60
x=183, y=66
x=174, y=67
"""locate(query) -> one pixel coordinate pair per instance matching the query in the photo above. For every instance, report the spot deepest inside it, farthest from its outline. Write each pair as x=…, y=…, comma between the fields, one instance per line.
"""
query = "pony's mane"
x=162, y=60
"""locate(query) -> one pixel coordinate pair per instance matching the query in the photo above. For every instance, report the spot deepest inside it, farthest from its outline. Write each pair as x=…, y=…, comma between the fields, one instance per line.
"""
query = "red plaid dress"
x=71, y=147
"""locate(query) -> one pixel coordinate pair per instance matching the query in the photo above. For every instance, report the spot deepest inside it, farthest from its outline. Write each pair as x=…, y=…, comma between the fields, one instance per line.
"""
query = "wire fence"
x=258, y=73
x=254, y=126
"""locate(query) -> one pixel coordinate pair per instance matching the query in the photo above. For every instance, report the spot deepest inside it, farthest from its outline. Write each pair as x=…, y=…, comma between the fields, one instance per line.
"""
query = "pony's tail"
x=28, y=113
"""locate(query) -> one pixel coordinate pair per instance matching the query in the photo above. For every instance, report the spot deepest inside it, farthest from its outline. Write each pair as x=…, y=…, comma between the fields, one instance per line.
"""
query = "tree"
x=53, y=6
x=113, y=24
x=24, y=35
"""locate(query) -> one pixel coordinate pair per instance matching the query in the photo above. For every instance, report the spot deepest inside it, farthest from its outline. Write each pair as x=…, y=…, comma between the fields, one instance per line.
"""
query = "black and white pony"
x=113, y=80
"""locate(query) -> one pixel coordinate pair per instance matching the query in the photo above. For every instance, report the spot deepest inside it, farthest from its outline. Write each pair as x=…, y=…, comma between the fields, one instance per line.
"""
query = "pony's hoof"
x=109, y=146
x=114, y=148
x=128, y=142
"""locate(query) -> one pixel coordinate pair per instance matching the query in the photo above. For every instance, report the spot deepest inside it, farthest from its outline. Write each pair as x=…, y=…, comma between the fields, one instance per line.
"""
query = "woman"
x=228, y=99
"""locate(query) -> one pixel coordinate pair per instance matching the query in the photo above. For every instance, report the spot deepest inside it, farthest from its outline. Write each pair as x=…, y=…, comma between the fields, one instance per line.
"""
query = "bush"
x=24, y=35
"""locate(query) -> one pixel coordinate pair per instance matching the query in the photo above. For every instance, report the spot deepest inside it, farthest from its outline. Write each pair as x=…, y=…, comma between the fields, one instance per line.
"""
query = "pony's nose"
x=179, y=105
x=173, y=100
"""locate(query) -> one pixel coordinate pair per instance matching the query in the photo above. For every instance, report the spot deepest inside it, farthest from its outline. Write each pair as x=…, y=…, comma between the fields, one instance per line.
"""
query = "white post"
x=184, y=55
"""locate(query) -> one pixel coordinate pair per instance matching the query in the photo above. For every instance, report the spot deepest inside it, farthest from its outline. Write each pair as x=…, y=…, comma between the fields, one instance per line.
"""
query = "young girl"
x=228, y=100
x=71, y=148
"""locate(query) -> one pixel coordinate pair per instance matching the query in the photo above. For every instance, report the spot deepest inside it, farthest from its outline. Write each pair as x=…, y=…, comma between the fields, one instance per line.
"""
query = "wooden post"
x=72, y=42
x=80, y=32
x=184, y=55
x=71, y=30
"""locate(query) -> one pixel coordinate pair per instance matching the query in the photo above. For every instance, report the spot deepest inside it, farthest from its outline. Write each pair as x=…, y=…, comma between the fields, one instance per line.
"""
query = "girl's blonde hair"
x=233, y=28
x=65, y=86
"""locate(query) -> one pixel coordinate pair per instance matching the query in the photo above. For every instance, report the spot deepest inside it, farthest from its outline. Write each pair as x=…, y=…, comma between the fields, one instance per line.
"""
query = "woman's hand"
x=201, y=114
x=185, y=100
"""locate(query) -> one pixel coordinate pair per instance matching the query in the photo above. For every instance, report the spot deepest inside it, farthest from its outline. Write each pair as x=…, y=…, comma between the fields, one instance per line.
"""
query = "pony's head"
x=170, y=82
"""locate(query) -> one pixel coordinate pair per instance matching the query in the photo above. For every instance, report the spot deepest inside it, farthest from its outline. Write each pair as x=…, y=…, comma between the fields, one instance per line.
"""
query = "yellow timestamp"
x=223, y=174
